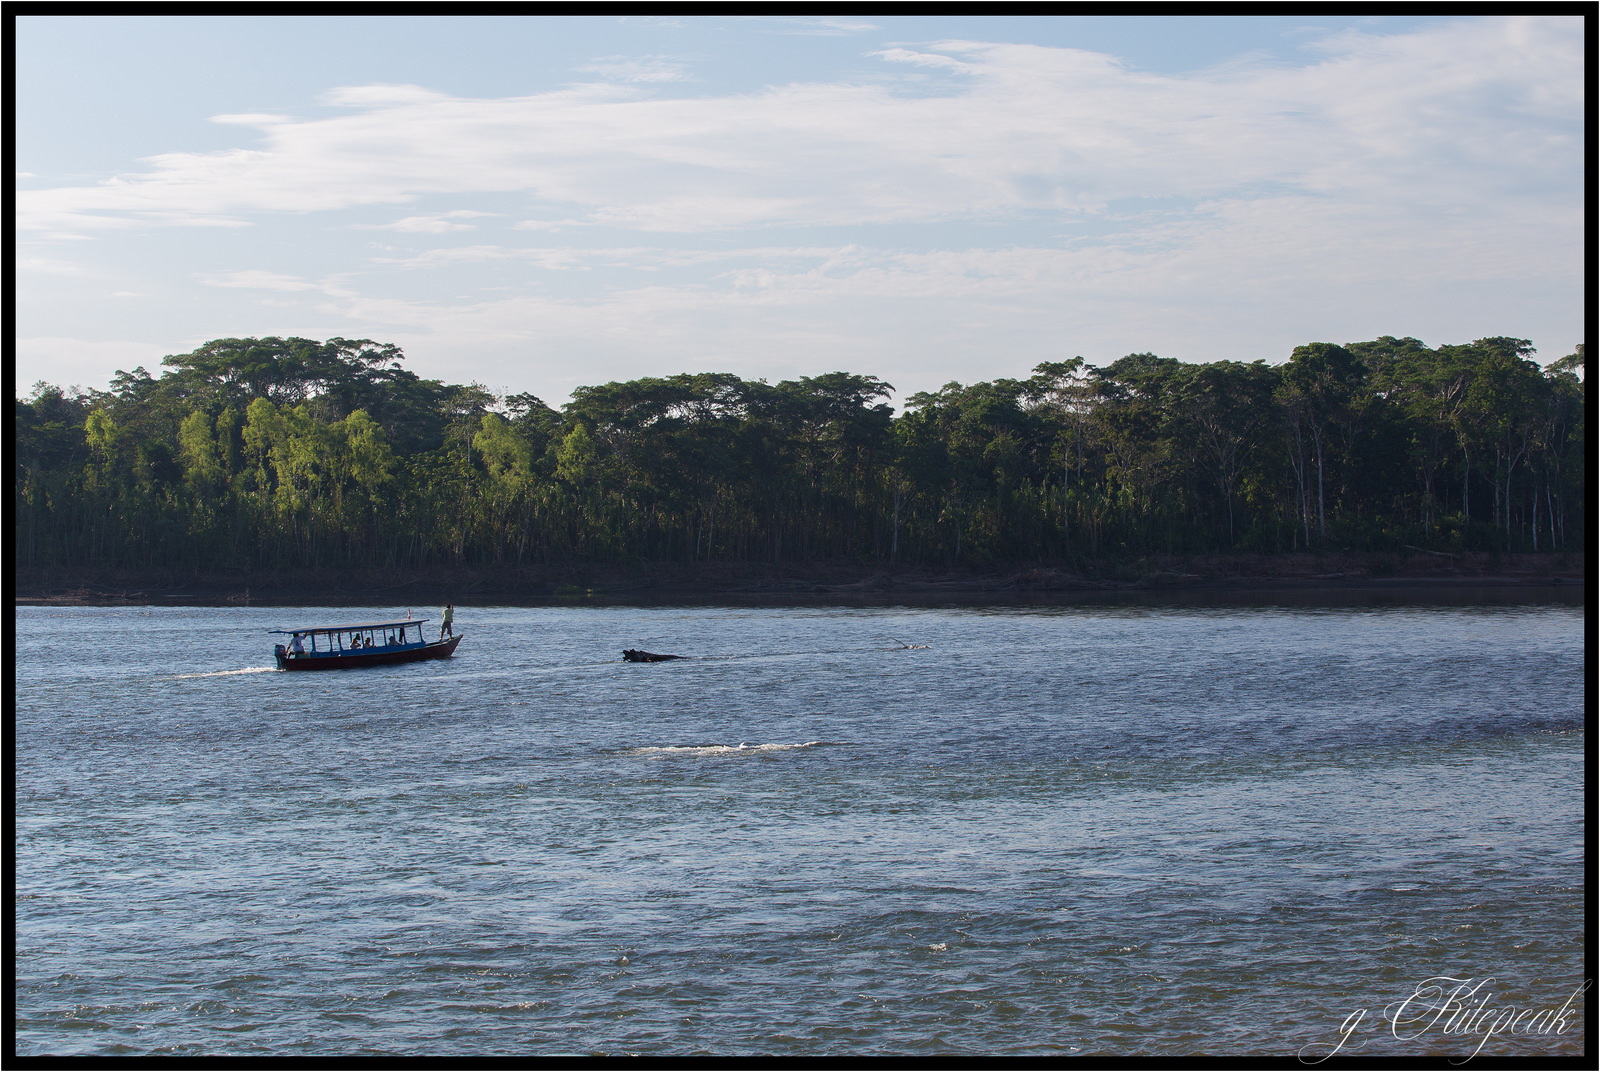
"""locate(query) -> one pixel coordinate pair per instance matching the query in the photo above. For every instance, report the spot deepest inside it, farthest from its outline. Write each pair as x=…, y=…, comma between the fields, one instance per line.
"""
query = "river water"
x=1032, y=830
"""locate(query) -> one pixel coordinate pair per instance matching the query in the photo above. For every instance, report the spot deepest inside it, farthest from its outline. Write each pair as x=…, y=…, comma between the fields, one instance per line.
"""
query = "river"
x=1078, y=829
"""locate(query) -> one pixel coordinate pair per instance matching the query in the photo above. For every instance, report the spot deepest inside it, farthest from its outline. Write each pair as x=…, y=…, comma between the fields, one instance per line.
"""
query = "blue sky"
x=534, y=204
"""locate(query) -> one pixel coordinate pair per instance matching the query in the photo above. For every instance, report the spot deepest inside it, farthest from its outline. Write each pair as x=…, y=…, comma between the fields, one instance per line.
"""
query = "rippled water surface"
x=1066, y=830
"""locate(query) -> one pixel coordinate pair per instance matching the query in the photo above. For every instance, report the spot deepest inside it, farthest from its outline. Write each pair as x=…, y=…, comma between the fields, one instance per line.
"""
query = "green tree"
x=1319, y=389
x=1228, y=406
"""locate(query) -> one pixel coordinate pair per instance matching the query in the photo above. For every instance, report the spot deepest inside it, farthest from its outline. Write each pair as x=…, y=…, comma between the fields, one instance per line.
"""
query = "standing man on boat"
x=449, y=613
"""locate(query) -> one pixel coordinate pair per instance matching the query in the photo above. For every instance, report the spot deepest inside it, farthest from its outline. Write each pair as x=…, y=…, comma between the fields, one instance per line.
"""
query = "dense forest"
x=281, y=453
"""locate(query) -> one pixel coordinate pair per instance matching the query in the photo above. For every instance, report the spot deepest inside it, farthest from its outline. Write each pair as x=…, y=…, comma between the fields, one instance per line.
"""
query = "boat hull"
x=354, y=660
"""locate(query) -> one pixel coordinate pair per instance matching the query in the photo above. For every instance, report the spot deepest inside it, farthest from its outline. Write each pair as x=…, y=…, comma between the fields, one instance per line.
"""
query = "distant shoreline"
x=807, y=582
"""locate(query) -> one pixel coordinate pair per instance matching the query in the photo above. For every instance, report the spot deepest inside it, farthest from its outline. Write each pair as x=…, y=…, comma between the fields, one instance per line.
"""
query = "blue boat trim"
x=361, y=644
x=352, y=628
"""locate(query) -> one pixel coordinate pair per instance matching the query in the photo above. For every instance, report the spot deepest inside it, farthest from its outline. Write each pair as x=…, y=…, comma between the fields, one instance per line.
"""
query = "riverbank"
x=669, y=581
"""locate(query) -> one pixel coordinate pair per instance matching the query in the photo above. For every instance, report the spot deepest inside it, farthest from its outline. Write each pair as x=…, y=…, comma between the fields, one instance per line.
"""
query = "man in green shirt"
x=449, y=613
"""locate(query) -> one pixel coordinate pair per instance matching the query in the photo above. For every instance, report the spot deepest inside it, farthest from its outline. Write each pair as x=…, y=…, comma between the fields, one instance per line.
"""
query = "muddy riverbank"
x=669, y=581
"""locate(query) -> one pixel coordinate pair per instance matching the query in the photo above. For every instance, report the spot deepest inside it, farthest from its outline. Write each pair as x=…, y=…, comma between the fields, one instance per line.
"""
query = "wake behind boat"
x=346, y=647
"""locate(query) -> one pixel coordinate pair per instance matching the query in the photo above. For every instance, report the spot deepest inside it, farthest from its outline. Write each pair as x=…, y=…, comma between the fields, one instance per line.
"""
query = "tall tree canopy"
x=292, y=452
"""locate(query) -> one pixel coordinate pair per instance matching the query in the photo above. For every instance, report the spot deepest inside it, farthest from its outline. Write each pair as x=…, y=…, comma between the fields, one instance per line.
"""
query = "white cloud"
x=823, y=27
x=922, y=59
x=639, y=68
x=637, y=258
x=427, y=225
x=437, y=224
x=1428, y=183
x=547, y=225
x=1459, y=114
x=252, y=119
x=30, y=265
x=381, y=96
x=1218, y=284
x=255, y=279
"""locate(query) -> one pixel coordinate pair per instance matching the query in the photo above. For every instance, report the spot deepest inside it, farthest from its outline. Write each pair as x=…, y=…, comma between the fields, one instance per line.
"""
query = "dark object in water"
x=629, y=655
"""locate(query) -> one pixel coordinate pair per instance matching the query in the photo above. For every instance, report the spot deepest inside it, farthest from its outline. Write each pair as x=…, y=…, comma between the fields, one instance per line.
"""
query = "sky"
x=535, y=204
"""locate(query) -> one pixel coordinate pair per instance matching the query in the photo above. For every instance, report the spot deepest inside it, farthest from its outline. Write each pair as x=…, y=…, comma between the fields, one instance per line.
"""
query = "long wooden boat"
x=346, y=647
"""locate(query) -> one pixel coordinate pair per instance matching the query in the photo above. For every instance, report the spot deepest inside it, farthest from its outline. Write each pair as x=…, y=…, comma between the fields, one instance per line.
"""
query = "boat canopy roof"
x=351, y=628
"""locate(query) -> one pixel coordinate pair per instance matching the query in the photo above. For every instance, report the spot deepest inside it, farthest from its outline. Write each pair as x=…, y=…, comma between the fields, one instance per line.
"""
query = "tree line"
x=293, y=453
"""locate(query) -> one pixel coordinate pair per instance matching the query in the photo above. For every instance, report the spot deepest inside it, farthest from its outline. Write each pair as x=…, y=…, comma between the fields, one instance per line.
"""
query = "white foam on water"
x=223, y=673
x=718, y=749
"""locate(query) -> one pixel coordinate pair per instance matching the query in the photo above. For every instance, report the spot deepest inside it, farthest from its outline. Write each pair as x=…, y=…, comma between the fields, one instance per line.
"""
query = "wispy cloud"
x=252, y=119
x=973, y=206
x=639, y=68
x=1456, y=114
x=1220, y=283
x=635, y=258
x=32, y=265
x=255, y=279
x=547, y=225
x=819, y=27
x=922, y=59
x=382, y=96
x=440, y=223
